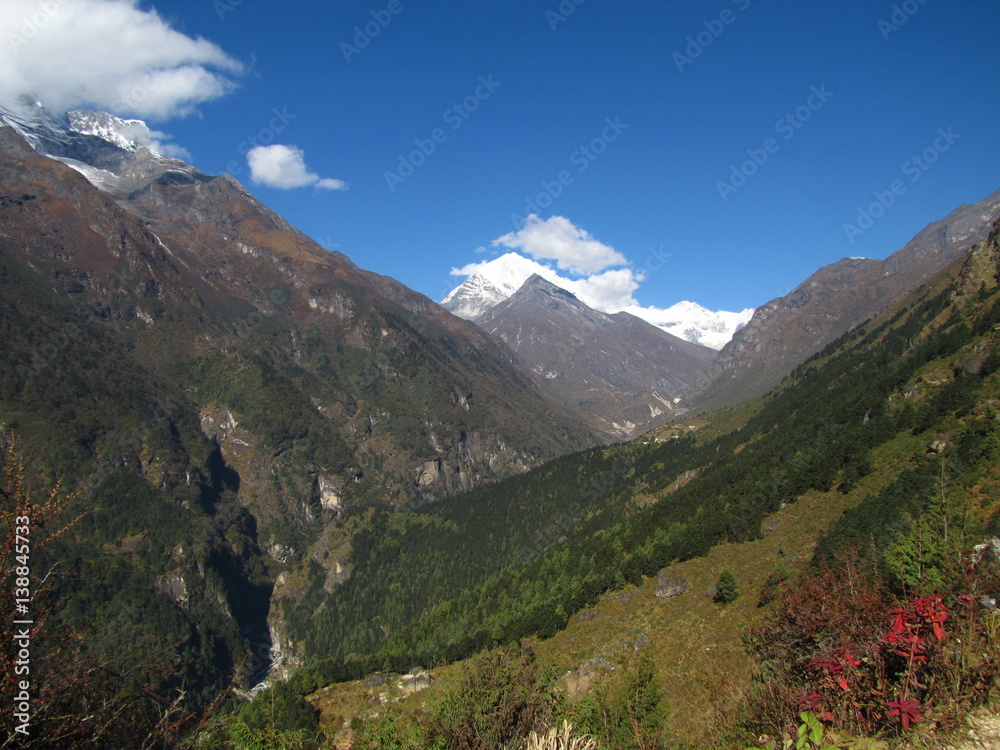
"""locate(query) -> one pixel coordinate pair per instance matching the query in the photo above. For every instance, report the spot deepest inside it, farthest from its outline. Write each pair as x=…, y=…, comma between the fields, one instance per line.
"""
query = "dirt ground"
x=983, y=733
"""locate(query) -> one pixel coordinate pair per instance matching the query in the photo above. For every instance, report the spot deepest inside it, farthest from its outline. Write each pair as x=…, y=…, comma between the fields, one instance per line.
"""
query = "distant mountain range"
x=500, y=278
x=617, y=371
x=757, y=348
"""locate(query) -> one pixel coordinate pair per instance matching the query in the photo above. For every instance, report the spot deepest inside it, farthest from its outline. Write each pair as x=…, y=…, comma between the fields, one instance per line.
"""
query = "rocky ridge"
x=788, y=330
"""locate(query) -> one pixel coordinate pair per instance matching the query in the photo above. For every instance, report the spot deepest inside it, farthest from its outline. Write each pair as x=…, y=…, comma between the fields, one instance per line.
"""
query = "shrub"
x=626, y=714
x=842, y=647
x=503, y=696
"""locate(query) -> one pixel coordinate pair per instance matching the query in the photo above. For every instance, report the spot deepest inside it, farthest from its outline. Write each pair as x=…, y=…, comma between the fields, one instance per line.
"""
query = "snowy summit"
x=497, y=280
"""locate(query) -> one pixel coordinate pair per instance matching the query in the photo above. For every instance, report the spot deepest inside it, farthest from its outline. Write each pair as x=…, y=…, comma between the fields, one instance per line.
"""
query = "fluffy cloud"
x=284, y=167
x=556, y=238
x=610, y=291
x=160, y=143
x=109, y=55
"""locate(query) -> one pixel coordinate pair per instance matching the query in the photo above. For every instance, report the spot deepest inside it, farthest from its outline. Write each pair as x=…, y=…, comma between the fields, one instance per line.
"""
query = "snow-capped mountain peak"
x=127, y=135
x=492, y=282
x=118, y=156
x=694, y=323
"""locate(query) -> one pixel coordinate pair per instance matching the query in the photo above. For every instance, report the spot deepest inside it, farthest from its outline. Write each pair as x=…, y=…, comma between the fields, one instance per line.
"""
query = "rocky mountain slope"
x=195, y=257
x=619, y=372
x=172, y=343
x=835, y=299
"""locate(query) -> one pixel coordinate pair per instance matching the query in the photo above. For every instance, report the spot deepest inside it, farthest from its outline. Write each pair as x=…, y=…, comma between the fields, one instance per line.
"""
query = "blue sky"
x=633, y=114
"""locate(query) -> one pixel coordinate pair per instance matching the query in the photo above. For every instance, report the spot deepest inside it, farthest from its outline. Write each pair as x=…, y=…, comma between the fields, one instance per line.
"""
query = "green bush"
x=727, y=590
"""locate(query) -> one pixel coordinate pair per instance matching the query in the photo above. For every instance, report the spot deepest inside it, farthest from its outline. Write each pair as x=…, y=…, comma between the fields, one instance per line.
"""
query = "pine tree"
x=726, y=588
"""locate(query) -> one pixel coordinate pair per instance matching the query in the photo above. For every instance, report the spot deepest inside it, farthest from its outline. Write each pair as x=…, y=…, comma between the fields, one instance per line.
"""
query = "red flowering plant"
x=840, y=646
x=869, y=678
x=821, y=651
x=917, y=629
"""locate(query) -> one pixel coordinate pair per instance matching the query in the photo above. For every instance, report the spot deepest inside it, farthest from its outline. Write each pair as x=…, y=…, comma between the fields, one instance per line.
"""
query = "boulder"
x=669, y=586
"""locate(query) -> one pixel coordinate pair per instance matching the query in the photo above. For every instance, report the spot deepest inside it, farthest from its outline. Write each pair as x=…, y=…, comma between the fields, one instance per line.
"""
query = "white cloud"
x=109, y=55
x=610, y=291
x=284, y=167
x=329, y=183
x=159, y=143
x=574, y=250
x=557, y=238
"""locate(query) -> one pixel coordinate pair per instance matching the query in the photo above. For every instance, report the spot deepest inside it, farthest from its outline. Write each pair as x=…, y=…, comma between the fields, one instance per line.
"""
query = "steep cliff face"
x=788, y=330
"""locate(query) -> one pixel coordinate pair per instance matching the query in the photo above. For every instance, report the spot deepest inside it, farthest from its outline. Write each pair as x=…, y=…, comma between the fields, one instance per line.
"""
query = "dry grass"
x=559, y=739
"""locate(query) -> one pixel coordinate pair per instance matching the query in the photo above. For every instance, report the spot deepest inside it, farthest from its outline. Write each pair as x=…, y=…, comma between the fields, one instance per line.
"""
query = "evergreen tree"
x=726, y=588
